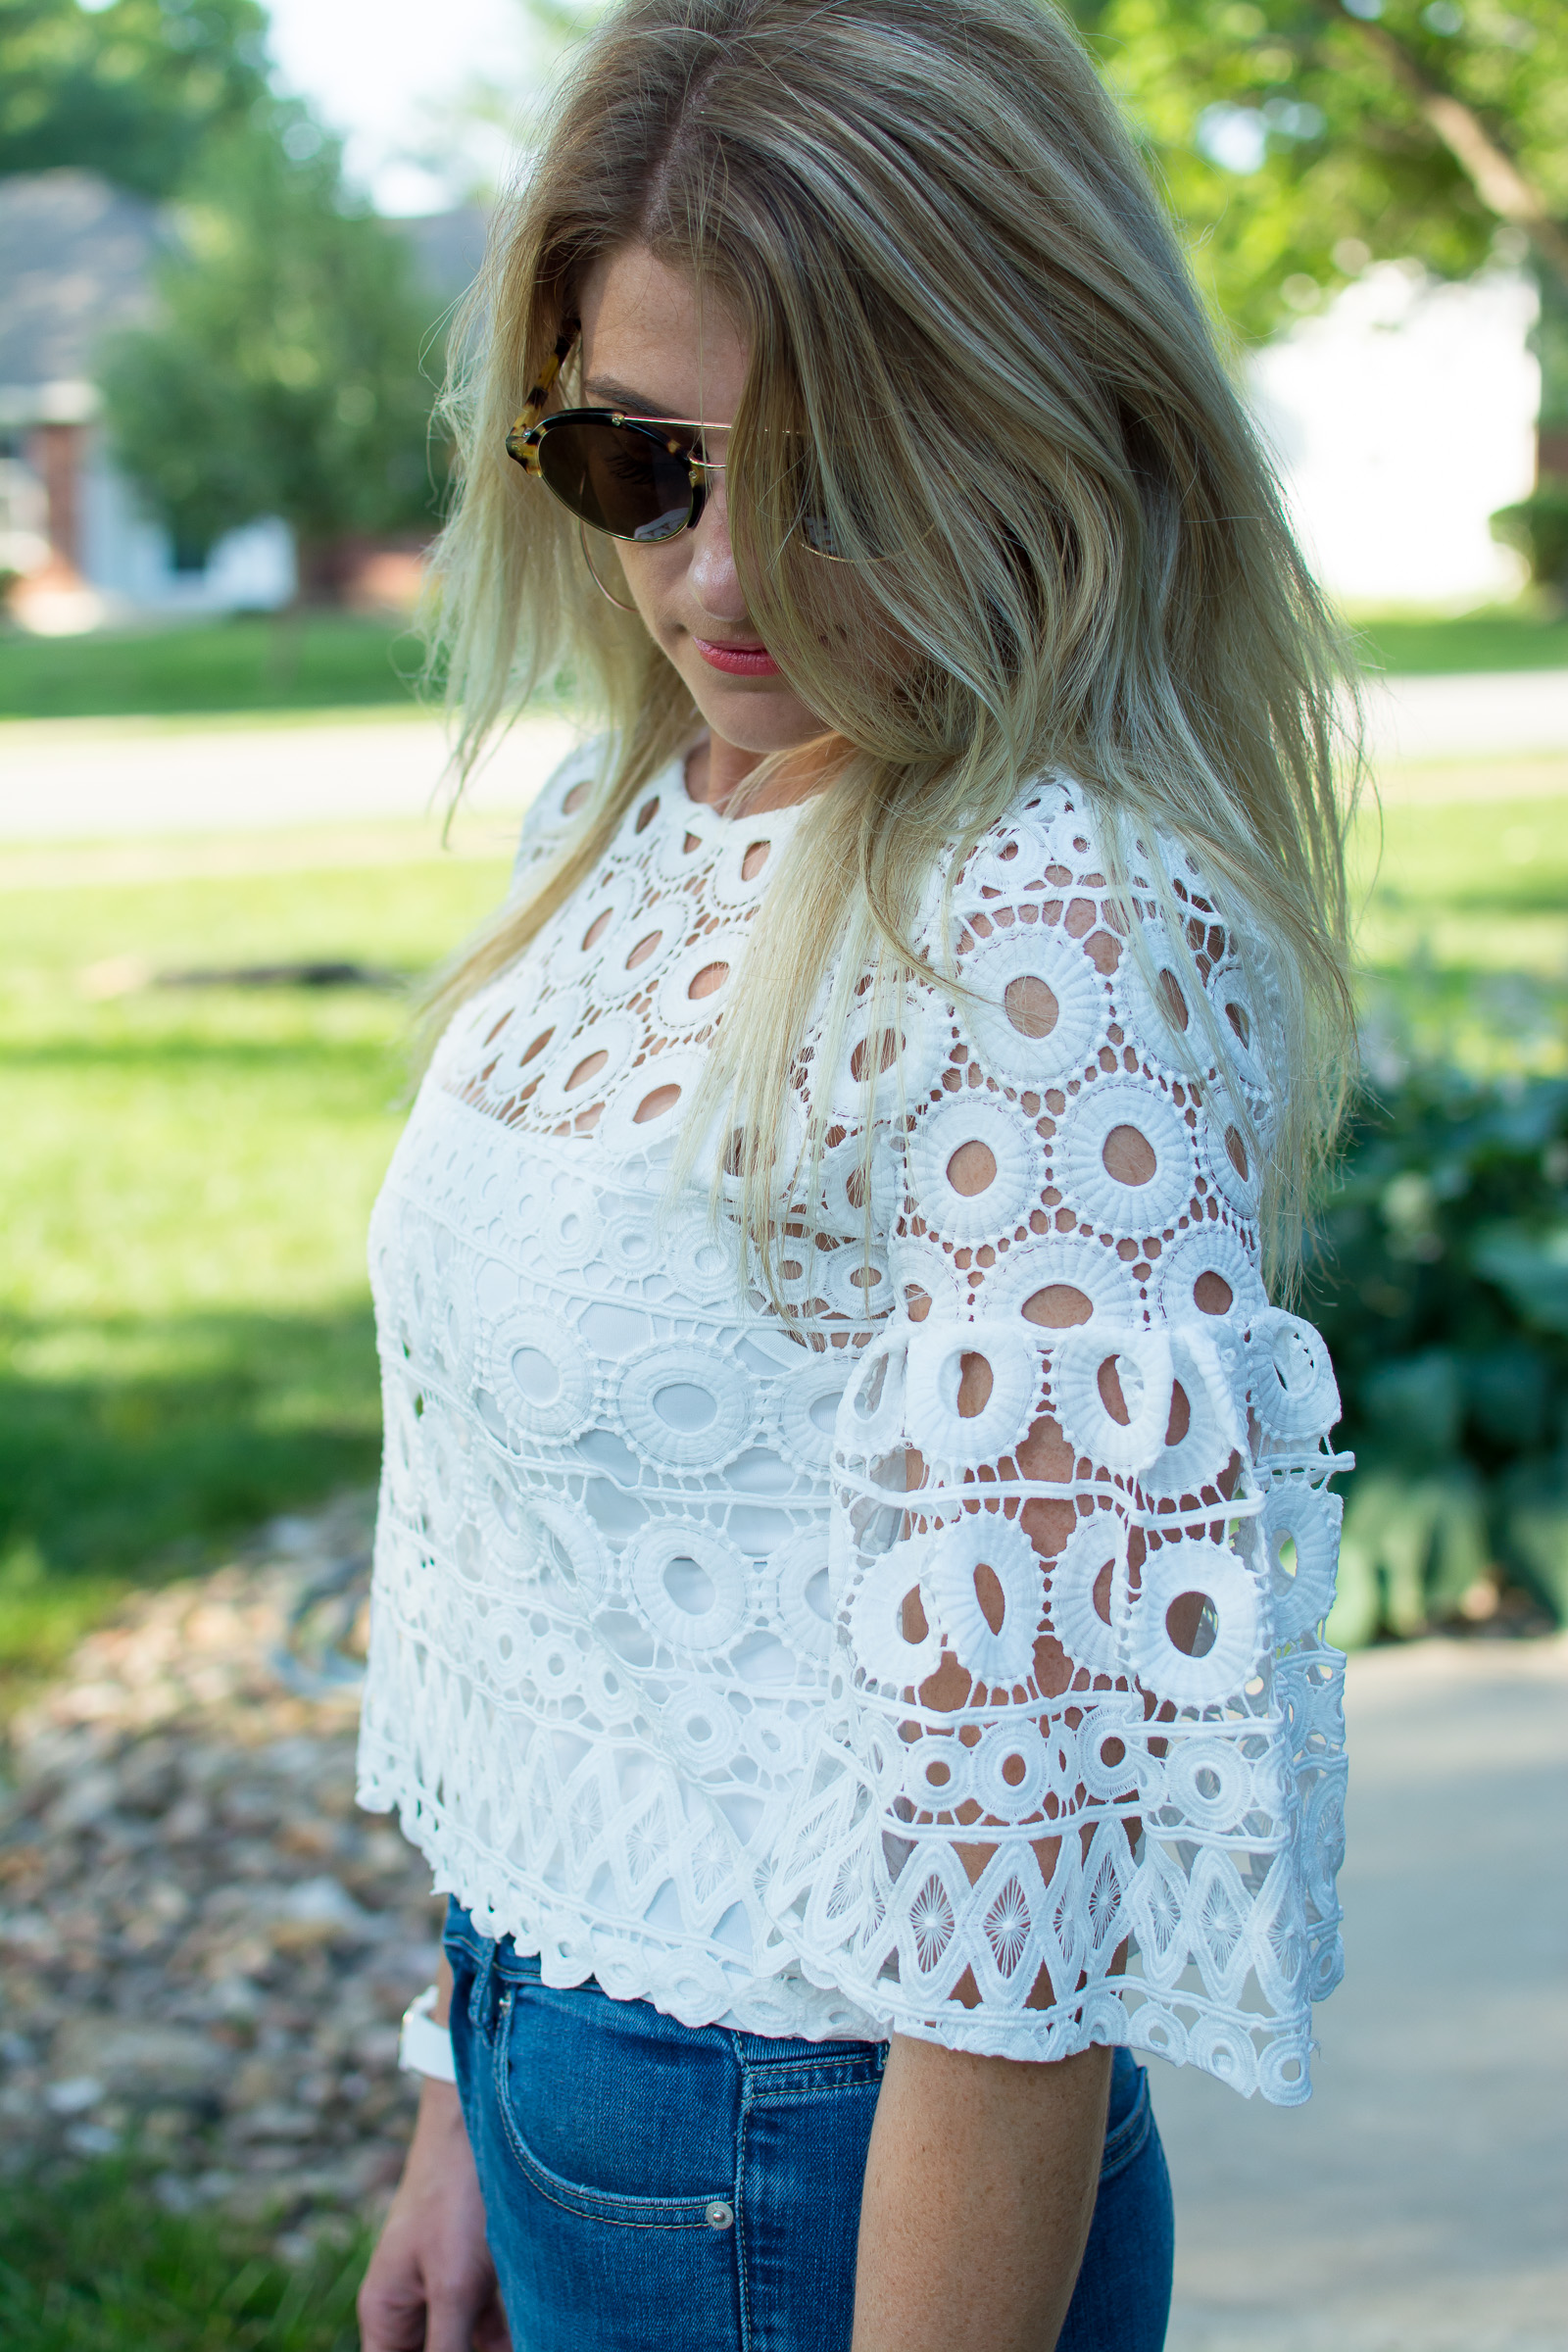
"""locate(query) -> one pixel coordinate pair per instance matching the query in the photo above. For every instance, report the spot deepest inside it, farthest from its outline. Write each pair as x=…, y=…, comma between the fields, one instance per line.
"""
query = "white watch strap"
x=423, y=2046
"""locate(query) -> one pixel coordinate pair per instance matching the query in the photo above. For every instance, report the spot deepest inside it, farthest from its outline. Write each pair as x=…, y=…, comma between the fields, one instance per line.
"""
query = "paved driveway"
x=1504, y=714
x=1419, y=2201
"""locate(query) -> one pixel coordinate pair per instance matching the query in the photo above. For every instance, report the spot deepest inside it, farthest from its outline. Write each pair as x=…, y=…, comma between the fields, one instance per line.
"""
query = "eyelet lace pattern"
x=957, y=1668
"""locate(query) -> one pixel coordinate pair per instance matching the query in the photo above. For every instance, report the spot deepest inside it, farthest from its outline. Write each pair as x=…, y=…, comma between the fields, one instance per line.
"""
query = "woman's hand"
x=431, y=2285
x=980, y=2187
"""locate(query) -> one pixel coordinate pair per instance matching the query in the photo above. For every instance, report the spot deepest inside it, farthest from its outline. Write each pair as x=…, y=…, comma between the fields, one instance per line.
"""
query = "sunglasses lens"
x=618, y=478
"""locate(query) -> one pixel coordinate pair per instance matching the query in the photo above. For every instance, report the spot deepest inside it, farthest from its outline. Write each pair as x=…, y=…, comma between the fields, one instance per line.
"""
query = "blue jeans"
x=654, y=2187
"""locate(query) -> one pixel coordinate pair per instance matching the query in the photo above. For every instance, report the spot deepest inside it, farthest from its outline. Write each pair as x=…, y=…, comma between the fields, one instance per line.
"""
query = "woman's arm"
x=431, y=2285
x=979, y=2190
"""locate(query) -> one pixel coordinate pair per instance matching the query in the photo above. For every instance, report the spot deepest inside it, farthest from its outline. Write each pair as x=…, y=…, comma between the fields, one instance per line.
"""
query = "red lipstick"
x=740, y=661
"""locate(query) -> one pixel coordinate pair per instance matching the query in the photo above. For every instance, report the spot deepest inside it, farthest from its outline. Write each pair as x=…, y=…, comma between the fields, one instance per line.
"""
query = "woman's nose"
x=716, y=582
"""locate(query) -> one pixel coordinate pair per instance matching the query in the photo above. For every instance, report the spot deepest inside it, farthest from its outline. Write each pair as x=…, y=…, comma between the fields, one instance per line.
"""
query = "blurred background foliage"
x=283, y=368
x=283, y=373
x=1439, y=1268
x=1300, y=139
x=134, y=90
x=1439, y=1276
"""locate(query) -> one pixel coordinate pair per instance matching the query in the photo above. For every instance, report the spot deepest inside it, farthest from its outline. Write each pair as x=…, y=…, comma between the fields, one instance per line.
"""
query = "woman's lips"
x=741, y=660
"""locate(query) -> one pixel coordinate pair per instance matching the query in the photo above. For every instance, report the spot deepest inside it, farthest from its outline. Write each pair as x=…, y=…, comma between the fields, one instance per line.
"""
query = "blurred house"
x=75, y=255
x=75, y=541
x=1404, y=417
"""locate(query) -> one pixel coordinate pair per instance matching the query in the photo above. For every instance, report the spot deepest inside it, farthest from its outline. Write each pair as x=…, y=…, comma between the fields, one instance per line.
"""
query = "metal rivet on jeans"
x=720, y=2216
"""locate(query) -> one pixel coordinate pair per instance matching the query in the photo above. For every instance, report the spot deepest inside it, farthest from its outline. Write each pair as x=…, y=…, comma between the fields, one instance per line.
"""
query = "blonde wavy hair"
x=973, y=341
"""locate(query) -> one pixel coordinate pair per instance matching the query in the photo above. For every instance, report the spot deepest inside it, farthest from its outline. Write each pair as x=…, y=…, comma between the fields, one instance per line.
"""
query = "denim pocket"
x=708, y=2209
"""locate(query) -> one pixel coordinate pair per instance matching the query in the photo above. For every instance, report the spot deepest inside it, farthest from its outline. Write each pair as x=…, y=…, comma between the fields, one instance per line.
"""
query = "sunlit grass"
x=185, y=1342
x=1506, y=637
x=256, y=661
x=90, y=2263
x=1463, y=924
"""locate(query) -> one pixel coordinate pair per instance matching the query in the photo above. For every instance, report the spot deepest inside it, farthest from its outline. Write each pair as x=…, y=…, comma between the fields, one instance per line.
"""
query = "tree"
x=283, y=374
x=1300, y=139
x=132, y=90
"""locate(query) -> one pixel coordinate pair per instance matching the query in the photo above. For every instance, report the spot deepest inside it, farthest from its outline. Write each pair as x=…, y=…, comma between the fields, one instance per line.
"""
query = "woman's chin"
x=758, y=714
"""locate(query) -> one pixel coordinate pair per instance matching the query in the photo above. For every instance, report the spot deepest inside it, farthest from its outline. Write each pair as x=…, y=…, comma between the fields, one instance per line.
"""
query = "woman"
x=854, y=1540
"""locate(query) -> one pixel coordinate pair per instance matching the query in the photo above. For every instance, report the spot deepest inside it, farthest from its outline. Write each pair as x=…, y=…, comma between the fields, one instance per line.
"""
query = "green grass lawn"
x=336, y=660
x=184, y=1332
x=312, y=662
x=91, y=2264
x=1506, y=638
x=1463, y=927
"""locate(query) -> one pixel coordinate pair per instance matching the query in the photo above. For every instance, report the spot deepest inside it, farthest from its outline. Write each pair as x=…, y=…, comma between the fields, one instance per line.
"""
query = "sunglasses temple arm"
x=533, y=408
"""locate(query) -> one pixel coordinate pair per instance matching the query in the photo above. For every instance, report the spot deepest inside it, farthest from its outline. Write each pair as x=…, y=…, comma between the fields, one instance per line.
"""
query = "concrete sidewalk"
x=1419, y=2202
x=105, y=779
x=1500, y=713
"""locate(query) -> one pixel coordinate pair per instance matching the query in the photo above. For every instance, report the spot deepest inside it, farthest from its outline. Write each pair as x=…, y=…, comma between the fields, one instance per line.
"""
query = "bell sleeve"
x=1081, y=1774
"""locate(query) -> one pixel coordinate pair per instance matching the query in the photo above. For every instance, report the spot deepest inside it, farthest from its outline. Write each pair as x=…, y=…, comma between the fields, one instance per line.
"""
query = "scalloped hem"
x=782, y=2002
x=1256, y=2057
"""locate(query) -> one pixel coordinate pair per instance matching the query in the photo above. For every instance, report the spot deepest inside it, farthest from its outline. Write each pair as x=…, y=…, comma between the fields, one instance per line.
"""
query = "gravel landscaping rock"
x=205, y=1948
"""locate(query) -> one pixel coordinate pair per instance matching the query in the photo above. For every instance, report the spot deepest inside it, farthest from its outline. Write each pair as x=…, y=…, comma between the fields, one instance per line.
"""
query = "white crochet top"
x=768, y=1677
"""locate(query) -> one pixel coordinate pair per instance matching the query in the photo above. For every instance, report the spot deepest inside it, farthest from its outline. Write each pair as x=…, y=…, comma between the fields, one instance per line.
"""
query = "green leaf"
x=1417, y=1402
x=1531, y=1268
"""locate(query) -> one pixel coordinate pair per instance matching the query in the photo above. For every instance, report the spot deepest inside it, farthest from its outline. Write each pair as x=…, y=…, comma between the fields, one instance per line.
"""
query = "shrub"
x=1439, y=1278
x=1537, y=526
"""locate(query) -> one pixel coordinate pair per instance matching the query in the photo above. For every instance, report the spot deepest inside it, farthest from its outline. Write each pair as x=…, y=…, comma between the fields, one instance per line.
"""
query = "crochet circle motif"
x=1308, y=1522
x=1076, y=1575
x=1091, y=1119
x=1043, y=1008
x=985, y=1542
x=692, y=1585
x=1010, y=1172
x=1196, y=1678
x=685, y=1409
x=1006, y=1362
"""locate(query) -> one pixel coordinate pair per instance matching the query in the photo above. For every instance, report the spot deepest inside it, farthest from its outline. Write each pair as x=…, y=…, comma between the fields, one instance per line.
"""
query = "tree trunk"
x=1504, y=186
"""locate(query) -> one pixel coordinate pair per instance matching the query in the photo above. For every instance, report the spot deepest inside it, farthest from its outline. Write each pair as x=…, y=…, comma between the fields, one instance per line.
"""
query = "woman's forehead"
x=656, y=342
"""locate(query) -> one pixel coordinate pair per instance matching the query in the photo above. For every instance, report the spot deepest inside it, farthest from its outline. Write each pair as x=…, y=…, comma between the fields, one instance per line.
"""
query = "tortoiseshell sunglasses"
x=634, y=477
x=644, y=479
